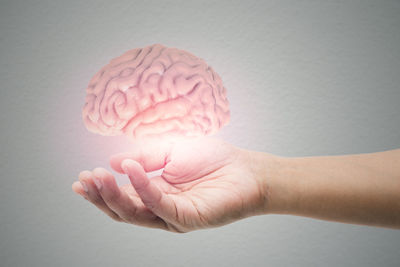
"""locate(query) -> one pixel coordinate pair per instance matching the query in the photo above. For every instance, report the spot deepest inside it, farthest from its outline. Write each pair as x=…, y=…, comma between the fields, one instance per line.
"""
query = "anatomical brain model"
x=156, y=91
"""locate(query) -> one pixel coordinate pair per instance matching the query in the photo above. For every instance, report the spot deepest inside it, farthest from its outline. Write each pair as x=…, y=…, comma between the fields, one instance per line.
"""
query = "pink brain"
x=156, y=91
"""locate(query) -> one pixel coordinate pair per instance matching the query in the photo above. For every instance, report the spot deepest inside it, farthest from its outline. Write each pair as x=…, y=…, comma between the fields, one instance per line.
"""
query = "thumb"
x=152, y=156
x=152, y=197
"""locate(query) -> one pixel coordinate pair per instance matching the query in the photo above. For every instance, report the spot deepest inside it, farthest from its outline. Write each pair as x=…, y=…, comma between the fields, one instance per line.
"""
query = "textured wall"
x=303, y=78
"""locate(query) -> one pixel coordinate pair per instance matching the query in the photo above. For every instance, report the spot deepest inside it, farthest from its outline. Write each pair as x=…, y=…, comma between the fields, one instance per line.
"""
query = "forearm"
x=361, y=189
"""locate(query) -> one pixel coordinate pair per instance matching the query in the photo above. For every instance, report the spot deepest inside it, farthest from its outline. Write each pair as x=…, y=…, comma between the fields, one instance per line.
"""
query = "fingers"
x=100, y=188
x=158, y=202
x=128, y=208
x=152, y=156
x=91, y=193
x=78, y=188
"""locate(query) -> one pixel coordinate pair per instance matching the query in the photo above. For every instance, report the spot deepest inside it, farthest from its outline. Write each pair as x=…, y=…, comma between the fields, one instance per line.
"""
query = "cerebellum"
x=153, y=92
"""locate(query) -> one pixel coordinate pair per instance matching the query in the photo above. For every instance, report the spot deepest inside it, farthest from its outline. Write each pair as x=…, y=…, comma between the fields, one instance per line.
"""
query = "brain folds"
x=156, y=91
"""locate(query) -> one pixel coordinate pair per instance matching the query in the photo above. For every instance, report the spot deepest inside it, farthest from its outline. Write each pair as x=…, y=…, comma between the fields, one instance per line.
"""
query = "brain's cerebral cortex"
x=153, y=92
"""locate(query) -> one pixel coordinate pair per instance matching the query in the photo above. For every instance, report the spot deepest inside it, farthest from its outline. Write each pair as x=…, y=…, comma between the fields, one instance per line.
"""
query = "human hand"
x=205, y=183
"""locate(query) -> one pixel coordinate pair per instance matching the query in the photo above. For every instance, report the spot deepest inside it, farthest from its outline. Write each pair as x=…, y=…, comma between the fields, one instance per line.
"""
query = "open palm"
x=204, y=183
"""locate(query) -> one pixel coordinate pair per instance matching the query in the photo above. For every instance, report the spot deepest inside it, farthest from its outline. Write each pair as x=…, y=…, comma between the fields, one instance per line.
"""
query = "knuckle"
x=131, y=216
x=97, y=201
x=113, y=197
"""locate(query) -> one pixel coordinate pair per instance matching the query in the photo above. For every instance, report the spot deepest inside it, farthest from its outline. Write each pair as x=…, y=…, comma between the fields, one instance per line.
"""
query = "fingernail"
x=124, y=169
x=124, y=166
x=85, y=188
x=97, y=182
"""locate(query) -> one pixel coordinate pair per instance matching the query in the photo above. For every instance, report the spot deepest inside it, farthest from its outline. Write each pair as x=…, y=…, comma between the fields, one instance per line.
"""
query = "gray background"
x=303, y=77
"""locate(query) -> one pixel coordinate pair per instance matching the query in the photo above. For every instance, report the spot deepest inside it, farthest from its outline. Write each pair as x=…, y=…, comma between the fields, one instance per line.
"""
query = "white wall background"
x=303, y=78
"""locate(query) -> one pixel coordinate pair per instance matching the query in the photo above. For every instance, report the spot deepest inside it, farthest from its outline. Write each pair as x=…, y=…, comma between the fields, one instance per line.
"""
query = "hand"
x=205, y=183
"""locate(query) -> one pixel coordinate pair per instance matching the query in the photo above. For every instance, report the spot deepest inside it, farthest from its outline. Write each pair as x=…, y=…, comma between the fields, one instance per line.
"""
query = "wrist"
x=277, y=183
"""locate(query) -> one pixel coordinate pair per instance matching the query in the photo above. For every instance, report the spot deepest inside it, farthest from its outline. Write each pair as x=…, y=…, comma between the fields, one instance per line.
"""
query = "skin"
x=208, y=183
